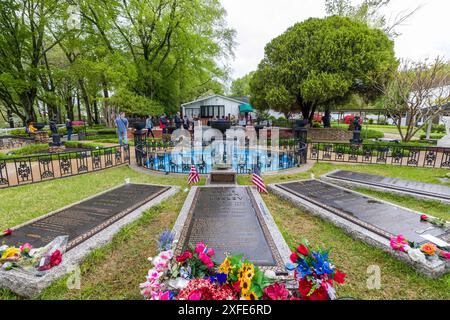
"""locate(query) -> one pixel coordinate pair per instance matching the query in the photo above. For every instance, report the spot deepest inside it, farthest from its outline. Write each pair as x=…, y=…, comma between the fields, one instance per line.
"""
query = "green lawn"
x=115, y=271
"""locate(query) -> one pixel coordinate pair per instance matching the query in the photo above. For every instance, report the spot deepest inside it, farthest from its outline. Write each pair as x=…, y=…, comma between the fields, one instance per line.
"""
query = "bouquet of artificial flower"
x=315, y=273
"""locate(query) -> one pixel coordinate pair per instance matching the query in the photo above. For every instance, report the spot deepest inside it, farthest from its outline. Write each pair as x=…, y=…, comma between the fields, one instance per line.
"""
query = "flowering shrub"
x=351, y=118
x=193, y=275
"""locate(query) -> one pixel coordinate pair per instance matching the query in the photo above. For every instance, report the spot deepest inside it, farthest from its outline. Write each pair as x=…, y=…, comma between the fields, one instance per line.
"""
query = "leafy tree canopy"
x=322, y=62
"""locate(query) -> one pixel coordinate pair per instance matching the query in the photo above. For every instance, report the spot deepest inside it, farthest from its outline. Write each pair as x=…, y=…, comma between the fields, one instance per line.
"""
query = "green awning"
x=245, y=108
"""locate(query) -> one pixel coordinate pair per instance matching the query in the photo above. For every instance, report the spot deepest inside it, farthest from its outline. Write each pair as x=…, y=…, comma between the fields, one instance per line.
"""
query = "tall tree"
x=418, y=92
x=23, y=27
x=370, y=12
x=241, y=86
x=321, y=62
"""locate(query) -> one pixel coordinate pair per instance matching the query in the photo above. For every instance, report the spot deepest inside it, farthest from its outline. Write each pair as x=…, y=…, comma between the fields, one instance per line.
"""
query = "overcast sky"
x=426, y=34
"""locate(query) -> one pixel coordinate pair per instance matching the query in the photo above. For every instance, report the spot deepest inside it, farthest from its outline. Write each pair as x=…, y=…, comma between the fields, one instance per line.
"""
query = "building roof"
x=238, y=100
x=243, y=99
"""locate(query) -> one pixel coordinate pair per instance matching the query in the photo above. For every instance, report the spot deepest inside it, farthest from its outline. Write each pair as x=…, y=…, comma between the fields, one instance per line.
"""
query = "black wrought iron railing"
x=165, y=159
x=413, y=156
x=15, y=171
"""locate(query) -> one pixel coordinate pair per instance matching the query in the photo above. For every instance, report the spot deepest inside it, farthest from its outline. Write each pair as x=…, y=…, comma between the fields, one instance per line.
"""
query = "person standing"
x=163, y=123
x=178, y=121
x=69, y=128
x=149, y=126
x=122, y=128
x=186, y=122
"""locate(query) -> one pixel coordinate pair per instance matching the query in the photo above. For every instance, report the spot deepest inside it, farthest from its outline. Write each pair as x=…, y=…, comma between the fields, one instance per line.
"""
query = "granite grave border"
x=28, y=285
x=432, y=269
x=274, y=238
x=350, y=184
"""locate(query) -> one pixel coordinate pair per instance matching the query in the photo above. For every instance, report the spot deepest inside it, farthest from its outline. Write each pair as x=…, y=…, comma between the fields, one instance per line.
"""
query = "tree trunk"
x=87, y=104
x=10, y=118
x=109, y=112
x=27, y=99
x=78, y=105
x=96, y=120
x=69, y=106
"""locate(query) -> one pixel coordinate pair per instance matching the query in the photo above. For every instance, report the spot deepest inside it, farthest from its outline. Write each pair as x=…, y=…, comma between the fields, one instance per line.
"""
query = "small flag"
x=194, y=177
x=257, y=181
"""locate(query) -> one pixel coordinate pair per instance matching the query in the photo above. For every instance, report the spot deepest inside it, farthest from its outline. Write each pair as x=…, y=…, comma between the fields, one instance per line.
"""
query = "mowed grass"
x=398, y=280
x=115, y=270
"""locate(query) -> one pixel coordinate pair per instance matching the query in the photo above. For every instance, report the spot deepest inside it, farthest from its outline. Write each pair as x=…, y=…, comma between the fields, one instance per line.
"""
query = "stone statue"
x=357, y=123
x=445, y=141
x=53, y=127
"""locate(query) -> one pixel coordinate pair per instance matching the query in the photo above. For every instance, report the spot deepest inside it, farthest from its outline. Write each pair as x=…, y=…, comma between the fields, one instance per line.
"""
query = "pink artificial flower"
x=153, y=275
x=399, y=243
x=200, y=247
x=204, y=258
x=165, y=296
x=276, y=292
x=211, y=252
x=445, y=254
x=25, y=248
x=196, y=295
x=210, y=265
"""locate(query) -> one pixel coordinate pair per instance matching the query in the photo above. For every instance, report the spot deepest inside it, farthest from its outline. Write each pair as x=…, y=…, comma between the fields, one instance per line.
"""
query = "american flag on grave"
x=257, y=181
x=194, y=177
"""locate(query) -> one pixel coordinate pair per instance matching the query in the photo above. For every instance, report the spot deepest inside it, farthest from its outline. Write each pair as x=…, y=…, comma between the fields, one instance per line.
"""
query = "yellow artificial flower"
x=225, y=266
x=245, y=269
x=245, y=285
x=250, y=296
x=10, y=252
x=249, y=274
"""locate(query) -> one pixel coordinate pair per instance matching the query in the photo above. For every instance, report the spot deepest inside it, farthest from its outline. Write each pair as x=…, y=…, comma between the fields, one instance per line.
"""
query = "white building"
x=217, y=106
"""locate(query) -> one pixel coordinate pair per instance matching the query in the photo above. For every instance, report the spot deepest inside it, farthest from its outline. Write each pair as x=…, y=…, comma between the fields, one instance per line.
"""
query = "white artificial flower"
x=178, y=283
x=417, y=255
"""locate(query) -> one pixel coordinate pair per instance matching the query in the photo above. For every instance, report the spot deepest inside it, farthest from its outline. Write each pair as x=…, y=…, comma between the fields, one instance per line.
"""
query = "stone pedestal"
x=41, y=137
x=57, y=149
x=356, y=138
x=222, y=177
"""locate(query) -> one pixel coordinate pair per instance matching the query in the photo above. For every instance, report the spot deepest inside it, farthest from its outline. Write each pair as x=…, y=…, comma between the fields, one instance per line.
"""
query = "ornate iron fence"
x=159, y=158
x=32, y=169
x=413, y=156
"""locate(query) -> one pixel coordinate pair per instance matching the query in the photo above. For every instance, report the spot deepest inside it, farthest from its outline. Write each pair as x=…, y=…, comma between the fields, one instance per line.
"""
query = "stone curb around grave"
x=354, y=184
x=28, y=285
x=432, y=269
x=280, y=245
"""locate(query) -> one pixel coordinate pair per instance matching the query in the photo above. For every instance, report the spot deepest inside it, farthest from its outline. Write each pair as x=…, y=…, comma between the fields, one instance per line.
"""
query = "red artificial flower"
x=237, y=286
x=339, y=277
x=294, y=257
x=302, y=249
x=7, y=232
x=55, y=259
x=305, y=287
x=185, y=256
x=424, y=217
x=276, y=292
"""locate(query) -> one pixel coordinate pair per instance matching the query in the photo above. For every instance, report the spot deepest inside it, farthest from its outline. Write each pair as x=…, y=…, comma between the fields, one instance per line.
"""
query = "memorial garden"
x=324, y=175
